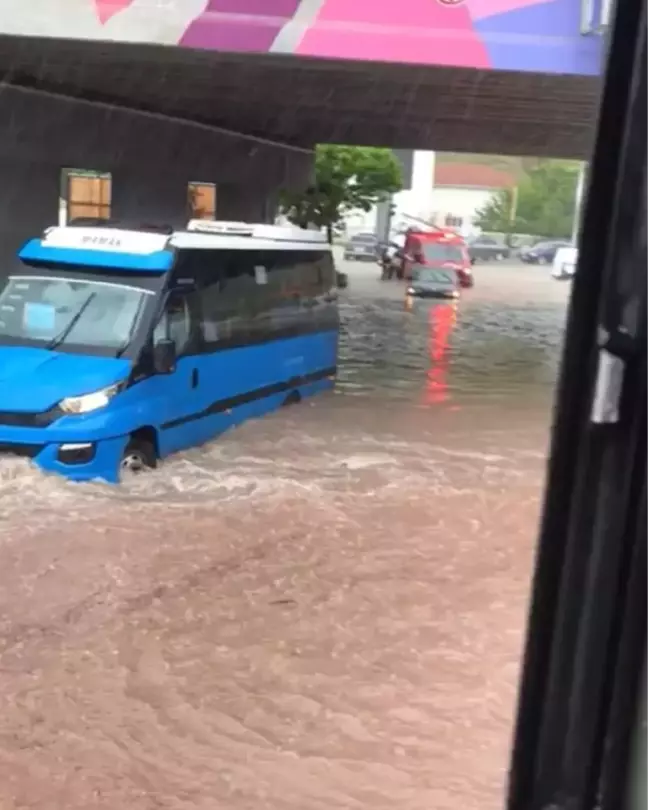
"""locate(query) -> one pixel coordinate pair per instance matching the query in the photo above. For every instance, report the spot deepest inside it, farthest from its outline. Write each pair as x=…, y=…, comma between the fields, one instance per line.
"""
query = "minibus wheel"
x=293, y=398
x=139, y=455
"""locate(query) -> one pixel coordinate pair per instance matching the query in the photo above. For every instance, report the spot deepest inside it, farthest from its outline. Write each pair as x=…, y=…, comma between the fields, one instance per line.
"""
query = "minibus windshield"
x=52, y=312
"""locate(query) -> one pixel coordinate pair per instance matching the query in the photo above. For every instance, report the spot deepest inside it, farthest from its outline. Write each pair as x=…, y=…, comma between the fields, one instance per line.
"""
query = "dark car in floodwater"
x=431, y=282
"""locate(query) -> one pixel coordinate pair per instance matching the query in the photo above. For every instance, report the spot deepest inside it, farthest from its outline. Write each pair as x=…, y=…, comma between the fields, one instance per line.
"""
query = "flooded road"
x=323, y=609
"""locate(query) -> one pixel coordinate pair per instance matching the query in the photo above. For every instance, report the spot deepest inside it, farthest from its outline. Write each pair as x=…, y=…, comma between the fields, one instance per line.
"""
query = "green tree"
x=543, y=203
x=498, y=214
x=347, y=178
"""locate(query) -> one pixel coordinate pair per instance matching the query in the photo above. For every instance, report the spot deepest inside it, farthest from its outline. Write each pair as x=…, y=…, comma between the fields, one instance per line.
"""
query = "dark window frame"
x=586, y=641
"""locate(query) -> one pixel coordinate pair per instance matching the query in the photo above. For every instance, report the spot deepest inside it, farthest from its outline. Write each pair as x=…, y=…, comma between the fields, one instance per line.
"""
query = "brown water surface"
x=323, y=609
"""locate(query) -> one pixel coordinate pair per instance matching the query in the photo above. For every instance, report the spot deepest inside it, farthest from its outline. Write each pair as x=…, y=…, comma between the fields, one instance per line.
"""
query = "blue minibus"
x=120, y=346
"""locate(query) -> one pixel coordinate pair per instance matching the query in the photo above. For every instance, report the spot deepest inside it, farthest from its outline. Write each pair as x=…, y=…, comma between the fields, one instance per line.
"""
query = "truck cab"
x=438, y=249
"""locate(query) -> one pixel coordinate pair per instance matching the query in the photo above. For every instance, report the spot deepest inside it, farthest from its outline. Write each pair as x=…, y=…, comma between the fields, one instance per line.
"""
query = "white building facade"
x=441, y=193
x=461, y=190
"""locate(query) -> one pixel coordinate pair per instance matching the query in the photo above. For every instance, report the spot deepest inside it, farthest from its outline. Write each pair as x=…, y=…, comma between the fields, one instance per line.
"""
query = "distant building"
x=459, y=190
x=443, y=194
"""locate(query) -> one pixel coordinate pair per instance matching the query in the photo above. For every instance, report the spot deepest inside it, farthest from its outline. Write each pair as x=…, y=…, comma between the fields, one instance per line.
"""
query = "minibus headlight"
x=90, y=402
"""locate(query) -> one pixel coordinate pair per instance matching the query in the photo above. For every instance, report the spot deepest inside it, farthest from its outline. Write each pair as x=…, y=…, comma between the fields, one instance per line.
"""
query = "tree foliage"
x=347, y=178
x=543, y=204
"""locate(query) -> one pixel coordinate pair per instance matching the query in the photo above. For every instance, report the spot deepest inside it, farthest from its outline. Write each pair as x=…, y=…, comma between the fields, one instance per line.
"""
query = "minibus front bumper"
x=76, y=447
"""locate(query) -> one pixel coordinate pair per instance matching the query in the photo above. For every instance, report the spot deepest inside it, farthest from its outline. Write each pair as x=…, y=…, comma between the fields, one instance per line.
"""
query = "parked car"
x=361, y=247
x=542, y=252
x=485, y=248
x=564, y=263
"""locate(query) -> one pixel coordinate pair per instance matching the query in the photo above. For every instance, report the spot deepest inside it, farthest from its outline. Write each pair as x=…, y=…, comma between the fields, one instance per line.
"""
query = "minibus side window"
x=225, y=278
x=175, y=323
x=285, y=278
x=308, y=274
x=326, y=272
x=267, y=289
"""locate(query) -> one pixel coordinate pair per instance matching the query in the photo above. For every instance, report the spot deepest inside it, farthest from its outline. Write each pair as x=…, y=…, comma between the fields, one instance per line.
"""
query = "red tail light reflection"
x=441, y=321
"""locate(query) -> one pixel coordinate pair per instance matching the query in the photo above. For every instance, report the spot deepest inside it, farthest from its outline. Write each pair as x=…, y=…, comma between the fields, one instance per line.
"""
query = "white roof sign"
x=111, y=240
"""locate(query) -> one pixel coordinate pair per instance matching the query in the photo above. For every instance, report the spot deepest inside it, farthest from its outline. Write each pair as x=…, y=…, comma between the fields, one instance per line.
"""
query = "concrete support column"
x=245, y=203
x=151, y=195
x=29, y=199
x=255, y=196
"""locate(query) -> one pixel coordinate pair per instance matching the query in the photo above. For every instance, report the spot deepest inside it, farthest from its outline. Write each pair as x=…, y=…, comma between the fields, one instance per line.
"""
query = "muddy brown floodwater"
x=322, y=610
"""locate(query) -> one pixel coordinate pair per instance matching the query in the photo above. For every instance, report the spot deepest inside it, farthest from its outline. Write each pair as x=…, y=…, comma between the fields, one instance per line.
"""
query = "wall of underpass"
x=150, y=158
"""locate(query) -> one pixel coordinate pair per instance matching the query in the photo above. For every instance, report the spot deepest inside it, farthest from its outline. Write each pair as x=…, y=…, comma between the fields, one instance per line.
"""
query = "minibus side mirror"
x=164, y=356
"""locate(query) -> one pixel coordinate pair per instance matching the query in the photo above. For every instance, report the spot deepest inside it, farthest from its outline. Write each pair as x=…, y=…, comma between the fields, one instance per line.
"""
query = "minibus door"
x=177, y=391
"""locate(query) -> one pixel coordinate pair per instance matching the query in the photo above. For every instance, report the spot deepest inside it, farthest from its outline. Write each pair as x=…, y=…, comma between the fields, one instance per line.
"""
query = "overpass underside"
x=160, y=120
x=299, y=101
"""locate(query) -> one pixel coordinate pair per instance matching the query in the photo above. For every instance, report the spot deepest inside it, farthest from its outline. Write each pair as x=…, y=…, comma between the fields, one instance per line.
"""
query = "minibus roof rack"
x=256, y=230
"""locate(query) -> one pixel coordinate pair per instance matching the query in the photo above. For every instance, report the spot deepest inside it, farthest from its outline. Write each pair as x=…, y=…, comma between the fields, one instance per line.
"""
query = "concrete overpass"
x=237, y=92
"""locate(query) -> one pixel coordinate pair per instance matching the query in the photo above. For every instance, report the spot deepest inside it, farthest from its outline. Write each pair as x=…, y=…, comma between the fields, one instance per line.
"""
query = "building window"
x=84, y=194
x=453, y=222
x=201, y=200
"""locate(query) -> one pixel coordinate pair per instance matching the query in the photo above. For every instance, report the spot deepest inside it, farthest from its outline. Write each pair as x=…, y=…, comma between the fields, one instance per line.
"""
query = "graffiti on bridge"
x=525, y=35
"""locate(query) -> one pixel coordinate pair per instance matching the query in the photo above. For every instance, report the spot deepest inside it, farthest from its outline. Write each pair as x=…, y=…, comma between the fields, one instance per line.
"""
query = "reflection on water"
x=480, y=352
x=322, y=609
x=441, y=321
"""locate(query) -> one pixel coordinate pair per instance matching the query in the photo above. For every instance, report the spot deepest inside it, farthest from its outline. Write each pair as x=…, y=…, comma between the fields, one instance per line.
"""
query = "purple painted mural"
x=239, y=25
x=524, y=35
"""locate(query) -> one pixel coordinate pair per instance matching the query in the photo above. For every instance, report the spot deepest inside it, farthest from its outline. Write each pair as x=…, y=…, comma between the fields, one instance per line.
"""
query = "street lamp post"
x=512, y=212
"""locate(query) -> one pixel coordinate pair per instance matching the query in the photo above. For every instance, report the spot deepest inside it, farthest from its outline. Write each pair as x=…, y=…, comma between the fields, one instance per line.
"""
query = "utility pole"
x=383, y=218
x=513, y=209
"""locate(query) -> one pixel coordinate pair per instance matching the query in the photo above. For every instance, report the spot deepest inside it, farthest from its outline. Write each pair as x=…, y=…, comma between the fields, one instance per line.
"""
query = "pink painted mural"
x=108, y=8
x=523, y=35
x=419, y=31
x=538, y=35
